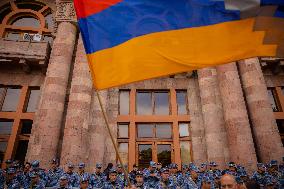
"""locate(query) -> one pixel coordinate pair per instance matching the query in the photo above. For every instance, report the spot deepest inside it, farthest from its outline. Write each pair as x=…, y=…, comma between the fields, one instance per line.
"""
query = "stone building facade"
x=48, y=107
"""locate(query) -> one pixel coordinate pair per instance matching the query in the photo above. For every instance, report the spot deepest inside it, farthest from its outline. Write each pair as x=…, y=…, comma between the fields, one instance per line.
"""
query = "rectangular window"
x=145, y=130
x=144, y=103
x=145, y=155
x=271, y=95
x=163, y=130
x=13, y=36
x=161, y=103
x=11, y=100
x=33, y=100
x=183, y=129
x=123, y=152
x=182, y=102
x=123, y=130
x=123, y=102
x=3, y=147
x=185, y=152
x=6, y=127
x=164, y=154
x=26, y=126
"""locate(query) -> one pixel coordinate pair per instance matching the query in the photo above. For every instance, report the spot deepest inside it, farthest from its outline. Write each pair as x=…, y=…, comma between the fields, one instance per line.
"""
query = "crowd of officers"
x=205, y=176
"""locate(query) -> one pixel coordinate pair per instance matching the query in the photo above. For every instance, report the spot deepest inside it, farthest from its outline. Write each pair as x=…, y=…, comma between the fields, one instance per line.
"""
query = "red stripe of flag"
x=86, y=8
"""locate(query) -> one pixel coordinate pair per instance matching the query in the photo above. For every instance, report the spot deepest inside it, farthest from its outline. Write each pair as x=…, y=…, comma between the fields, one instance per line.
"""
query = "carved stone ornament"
x=65, y=12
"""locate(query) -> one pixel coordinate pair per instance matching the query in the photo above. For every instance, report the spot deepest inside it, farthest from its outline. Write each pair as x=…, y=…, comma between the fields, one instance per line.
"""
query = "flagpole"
x=111, y=136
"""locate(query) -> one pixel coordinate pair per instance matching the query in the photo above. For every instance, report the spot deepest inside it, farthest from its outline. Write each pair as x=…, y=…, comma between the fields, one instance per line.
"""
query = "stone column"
x=196, y=122
x=215, y=133
x=43, y=144
x=75, y=139
x=97, y=131
x=267, y=138
x=239, y=133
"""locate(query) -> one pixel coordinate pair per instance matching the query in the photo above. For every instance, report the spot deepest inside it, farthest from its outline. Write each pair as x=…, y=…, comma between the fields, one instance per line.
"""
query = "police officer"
x=41, y=172
x=54, y=173
x=11, y=181
x=72, y=177
x=63, y=183
x=259, y=175
x=8, y=163
x=112, y=181
x=36, y=182
x=84, y=182
x=231, y=170
x=139, y=181
x=97, y=178
x=120, y=175
x=151, y=175
x=165, y=182
x=132, y=174
x=82, y=172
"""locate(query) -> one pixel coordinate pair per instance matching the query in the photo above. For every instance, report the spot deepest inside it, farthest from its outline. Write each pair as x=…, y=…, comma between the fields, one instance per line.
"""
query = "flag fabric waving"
x=134, y=40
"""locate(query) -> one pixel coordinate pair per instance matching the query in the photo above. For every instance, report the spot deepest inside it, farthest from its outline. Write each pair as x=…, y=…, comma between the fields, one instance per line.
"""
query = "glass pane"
x=22, y=151
x=33, y=100
x=144, y=103
x=11, y=100
x=145, y=130
x=6, y=127
x=123, y=152
x=164, y=130
x=272, y=100
x=3, y=147
x=181, y=102
x=161, y=103
x=26, y=21
x=185, y=152
x=183, y=129
x=145, y=155
x=13, y=36
x=164, y=154
x=122, y=130
x=124, y=102
x=26, y=127
x=49, y=21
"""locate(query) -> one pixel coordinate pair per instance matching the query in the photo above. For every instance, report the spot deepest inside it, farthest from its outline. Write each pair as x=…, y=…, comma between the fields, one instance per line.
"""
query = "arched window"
x=26, y=16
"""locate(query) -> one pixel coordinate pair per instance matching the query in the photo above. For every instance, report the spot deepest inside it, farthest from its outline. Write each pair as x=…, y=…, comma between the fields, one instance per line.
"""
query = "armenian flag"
x=134, y=40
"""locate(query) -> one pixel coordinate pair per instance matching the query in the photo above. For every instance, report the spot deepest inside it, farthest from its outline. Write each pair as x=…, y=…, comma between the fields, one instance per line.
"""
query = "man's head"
x=159, y=165
x=173, y=168
x=63, y=182
x=139, y=177
x=54, y=163
x=8, y=163
x=70, y=168
x=27, y=167
x=232, y=166
x=228, y=182
x=98, y=167
x=135, y=167
x=206, y=183
x=203, y=167
x=11, y=172
x=84, y=183
x=152, y=166
x=81, y=167
x=112, y=175
x=261, y=167
x=119, y=168
x=165, y=173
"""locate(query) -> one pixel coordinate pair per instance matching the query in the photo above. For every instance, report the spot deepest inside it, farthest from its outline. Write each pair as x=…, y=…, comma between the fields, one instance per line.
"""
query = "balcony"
x=24, y=53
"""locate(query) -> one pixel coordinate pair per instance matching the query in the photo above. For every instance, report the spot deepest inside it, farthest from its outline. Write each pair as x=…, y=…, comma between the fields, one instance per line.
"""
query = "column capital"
x=65, y=11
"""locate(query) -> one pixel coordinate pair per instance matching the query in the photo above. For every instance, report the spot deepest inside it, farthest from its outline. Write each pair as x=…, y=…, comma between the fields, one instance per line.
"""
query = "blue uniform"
x=53, y=176
x=73, y=179
x=169, y=184
x=13, y=184
x=97, y=180
x=38, y=185
x=112, y=185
